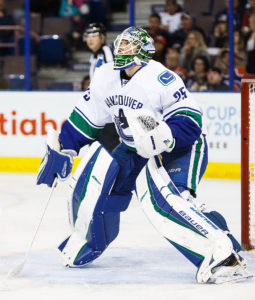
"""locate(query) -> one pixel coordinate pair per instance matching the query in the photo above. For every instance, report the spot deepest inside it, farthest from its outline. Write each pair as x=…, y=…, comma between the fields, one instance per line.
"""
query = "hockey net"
x=248, y=161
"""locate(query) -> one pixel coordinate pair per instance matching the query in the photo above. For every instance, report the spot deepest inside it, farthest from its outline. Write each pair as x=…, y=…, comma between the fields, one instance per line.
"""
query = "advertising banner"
x=222, y=113
x=25, y=117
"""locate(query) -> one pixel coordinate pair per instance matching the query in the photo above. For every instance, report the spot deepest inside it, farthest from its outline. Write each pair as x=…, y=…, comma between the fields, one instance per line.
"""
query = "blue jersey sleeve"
x=184, y=130
x=71, y=138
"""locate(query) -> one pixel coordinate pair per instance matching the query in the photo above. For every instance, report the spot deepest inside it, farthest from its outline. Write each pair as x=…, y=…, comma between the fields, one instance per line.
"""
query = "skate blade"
x=230, y=274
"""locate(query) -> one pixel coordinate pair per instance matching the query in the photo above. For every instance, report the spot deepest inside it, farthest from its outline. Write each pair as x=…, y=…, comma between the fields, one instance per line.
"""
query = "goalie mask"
x=134, y=46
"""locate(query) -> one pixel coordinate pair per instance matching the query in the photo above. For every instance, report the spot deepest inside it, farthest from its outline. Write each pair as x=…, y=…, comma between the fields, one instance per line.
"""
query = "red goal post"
x=248, y=162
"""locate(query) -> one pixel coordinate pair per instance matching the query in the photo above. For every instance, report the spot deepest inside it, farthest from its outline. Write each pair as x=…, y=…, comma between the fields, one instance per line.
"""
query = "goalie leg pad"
x=80, y=180
x=180, y=223
x=97, y=218
x=94, y=228
x=214, y=216
x=220, y=221
x=103, y=231
x=115, y=202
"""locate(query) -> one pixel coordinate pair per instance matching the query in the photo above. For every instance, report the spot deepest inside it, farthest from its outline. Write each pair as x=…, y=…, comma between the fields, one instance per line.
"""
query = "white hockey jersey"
x=152, y=87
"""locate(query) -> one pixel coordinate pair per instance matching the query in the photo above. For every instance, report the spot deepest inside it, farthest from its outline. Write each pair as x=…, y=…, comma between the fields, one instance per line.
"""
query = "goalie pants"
x=187, y=166
x=185, y=170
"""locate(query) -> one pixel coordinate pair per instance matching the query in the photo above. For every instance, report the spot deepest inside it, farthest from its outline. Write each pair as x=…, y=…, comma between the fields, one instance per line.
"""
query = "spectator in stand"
x=171, y=18
x=187, y=25
x=251, y=42
x=95, y=38
x=249, y=28
x=154, y=29
x=83, y=6
x=214, y=80
x=172, y=62
x=76, y=35
x=248, y=21
x=85, y=83
x=193, y=46
x=197, y=78
x=70, y=8
x=220, y=33
x=78, y=11
x=237, y=15
x=160, y=48
x=5, y=19
x=251, y=53
x=222, y=62
x=239, y=48
x=220, y=40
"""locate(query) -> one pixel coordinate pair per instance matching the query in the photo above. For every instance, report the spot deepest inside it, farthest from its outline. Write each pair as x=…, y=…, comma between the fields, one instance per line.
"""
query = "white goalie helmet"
x=134, y=46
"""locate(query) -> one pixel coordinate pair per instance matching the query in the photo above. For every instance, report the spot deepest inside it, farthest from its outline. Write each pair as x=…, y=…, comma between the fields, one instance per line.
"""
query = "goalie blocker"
x=94, y=215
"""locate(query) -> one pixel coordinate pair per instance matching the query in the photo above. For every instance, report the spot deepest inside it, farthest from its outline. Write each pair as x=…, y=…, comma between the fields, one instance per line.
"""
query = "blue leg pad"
x=116, y=203
x=104, y=229
x=63, y=244
x=220, y=221
x=86, y=255
x=81, y=186
x=191, y=256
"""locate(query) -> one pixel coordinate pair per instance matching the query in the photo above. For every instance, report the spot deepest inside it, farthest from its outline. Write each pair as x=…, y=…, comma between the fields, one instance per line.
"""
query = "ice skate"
x=234, y=268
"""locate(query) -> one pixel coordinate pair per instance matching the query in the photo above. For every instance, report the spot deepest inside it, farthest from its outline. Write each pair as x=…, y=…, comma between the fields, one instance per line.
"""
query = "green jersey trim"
x=83, y=125
x=131, y=148
x=194, y=116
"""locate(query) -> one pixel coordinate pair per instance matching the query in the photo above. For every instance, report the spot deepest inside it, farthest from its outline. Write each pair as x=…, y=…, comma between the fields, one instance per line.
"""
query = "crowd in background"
x=200, y=57
x=202, y=60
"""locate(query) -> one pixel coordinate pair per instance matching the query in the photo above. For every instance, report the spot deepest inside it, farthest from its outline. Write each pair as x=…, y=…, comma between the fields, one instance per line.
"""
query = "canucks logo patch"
x=166, y=78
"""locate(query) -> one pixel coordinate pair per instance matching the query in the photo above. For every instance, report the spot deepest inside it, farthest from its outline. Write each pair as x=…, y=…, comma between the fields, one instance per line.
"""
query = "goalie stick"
x=18, y=268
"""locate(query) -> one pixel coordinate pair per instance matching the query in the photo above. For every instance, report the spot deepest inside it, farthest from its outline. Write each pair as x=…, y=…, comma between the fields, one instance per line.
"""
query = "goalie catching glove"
x=56, y=162
x=151, y=137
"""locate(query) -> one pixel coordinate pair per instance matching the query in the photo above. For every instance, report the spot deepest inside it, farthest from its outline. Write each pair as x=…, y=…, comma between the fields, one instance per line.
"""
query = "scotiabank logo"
x=11, y=124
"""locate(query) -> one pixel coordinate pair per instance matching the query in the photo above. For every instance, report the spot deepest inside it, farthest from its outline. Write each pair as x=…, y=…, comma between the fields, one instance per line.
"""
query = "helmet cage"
x=133, y=47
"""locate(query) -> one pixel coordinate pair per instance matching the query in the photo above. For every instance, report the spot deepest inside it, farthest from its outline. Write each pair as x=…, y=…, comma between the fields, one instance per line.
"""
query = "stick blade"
x=15, y=271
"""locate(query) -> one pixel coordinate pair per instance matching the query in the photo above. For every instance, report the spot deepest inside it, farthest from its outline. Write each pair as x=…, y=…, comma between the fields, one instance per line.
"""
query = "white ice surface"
x=139, y=264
